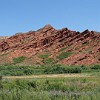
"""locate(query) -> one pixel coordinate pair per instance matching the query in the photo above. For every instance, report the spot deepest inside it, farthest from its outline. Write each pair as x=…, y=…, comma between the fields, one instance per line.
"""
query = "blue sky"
x=25, y=15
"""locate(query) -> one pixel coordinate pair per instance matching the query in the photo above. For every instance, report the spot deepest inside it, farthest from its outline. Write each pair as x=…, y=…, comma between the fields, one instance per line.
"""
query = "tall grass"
x=51, y=89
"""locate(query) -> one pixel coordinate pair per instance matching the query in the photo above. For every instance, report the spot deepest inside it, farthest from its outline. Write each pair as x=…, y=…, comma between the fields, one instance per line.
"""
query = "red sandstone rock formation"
x=85, y=46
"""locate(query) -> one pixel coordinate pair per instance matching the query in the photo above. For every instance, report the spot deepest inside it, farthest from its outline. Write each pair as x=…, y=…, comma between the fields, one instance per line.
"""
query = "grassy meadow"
x=73, y=88
x=49, y=82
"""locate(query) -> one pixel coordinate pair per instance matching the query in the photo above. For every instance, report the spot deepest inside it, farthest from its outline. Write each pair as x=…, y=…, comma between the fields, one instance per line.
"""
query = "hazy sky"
x=25, y=15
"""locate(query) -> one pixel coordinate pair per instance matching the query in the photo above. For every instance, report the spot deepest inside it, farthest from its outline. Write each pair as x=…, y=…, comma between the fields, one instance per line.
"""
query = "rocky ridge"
x=84, y=47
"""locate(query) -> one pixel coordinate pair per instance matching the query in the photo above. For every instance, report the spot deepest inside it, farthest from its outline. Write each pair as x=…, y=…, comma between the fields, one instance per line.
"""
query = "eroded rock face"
x=85, y=46
x=4, y=46
x=3, y=38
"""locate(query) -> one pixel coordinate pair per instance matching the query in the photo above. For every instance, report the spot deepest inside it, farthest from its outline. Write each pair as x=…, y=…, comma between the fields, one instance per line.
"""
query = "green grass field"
x=55, y=82
x=50, y=88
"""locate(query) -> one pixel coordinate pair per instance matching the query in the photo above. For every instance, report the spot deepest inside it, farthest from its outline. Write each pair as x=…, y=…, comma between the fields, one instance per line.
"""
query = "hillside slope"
x=3, y=37
x=48, y=45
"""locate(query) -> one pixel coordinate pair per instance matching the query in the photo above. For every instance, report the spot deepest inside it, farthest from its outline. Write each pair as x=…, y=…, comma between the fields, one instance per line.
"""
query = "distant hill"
x=48, y=45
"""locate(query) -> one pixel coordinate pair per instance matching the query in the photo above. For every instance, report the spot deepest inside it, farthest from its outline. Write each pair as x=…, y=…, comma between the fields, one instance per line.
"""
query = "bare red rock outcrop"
x=85, y=46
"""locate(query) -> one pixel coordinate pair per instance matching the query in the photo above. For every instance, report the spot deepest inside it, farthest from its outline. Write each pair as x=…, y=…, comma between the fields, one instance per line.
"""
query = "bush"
x=54, y=70
x=95, y=67
x=44, y=56
x=11, y=70
x=73, y=70
x=19, y=59
x=48, y=61
x=58, y=69
x=0, y=77
x=64, y=55
x=28, y=71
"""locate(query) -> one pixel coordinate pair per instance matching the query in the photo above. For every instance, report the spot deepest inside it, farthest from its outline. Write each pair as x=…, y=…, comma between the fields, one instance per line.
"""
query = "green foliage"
x=11, y=70
x=0, y=77
x=48, y=68
x=51, y=89
x=96, y=67
x=1, y=82
x=19, y=59
x=58, y=69
x=64, y=55
x=44, y=56
x=48, y=61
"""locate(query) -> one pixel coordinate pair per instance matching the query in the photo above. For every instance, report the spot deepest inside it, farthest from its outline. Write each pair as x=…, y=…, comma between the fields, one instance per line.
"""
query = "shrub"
x=48, y=61
x=44, y=56
x=95, y=67
x=0, y=77
x=84, y=67
x=64, y=55
x=19, y=70
x=28, y=71
x=19, y=59
x=58, y=69
x=73, y=70
x=54, y=70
